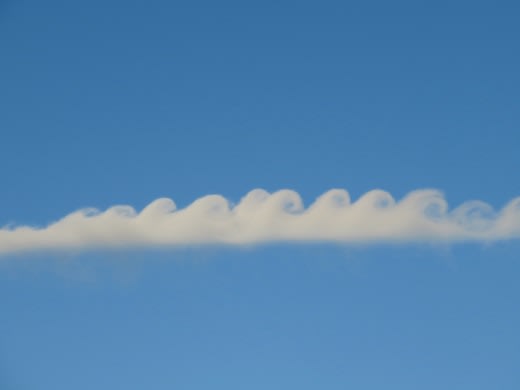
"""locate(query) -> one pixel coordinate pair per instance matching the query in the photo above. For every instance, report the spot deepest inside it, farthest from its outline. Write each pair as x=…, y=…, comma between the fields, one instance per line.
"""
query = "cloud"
x=262, y=217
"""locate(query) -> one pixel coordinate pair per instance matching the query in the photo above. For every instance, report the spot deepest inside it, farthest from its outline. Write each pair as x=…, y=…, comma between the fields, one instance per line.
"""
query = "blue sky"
x=112, y=102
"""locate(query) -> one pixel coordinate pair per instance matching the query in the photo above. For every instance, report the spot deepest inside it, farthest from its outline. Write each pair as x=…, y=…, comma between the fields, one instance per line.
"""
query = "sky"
x=108, y=103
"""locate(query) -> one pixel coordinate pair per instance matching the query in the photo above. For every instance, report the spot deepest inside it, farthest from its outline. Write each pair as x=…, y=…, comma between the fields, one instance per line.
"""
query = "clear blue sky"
x=110, y=102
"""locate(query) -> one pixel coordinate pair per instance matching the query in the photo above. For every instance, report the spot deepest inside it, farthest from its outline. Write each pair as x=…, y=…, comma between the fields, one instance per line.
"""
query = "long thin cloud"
x=261, y=217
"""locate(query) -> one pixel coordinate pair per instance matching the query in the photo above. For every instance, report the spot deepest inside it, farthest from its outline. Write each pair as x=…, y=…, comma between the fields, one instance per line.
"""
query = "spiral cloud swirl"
x=262, y=217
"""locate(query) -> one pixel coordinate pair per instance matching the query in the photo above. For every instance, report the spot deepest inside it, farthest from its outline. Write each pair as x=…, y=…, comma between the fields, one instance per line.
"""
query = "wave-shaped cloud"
x=261, y=217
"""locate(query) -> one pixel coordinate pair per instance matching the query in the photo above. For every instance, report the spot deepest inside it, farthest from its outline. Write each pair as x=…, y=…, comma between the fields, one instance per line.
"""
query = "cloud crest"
x=262, y=217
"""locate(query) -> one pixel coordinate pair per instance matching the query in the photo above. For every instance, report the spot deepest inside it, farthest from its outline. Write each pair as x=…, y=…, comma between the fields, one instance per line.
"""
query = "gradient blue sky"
x=110, y=102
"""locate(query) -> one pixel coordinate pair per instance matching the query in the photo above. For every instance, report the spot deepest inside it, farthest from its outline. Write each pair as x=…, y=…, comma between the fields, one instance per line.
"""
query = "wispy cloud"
x=261, y=217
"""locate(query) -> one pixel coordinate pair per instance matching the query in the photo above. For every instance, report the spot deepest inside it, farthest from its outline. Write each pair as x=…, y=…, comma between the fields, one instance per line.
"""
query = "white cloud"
x=261, y=217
